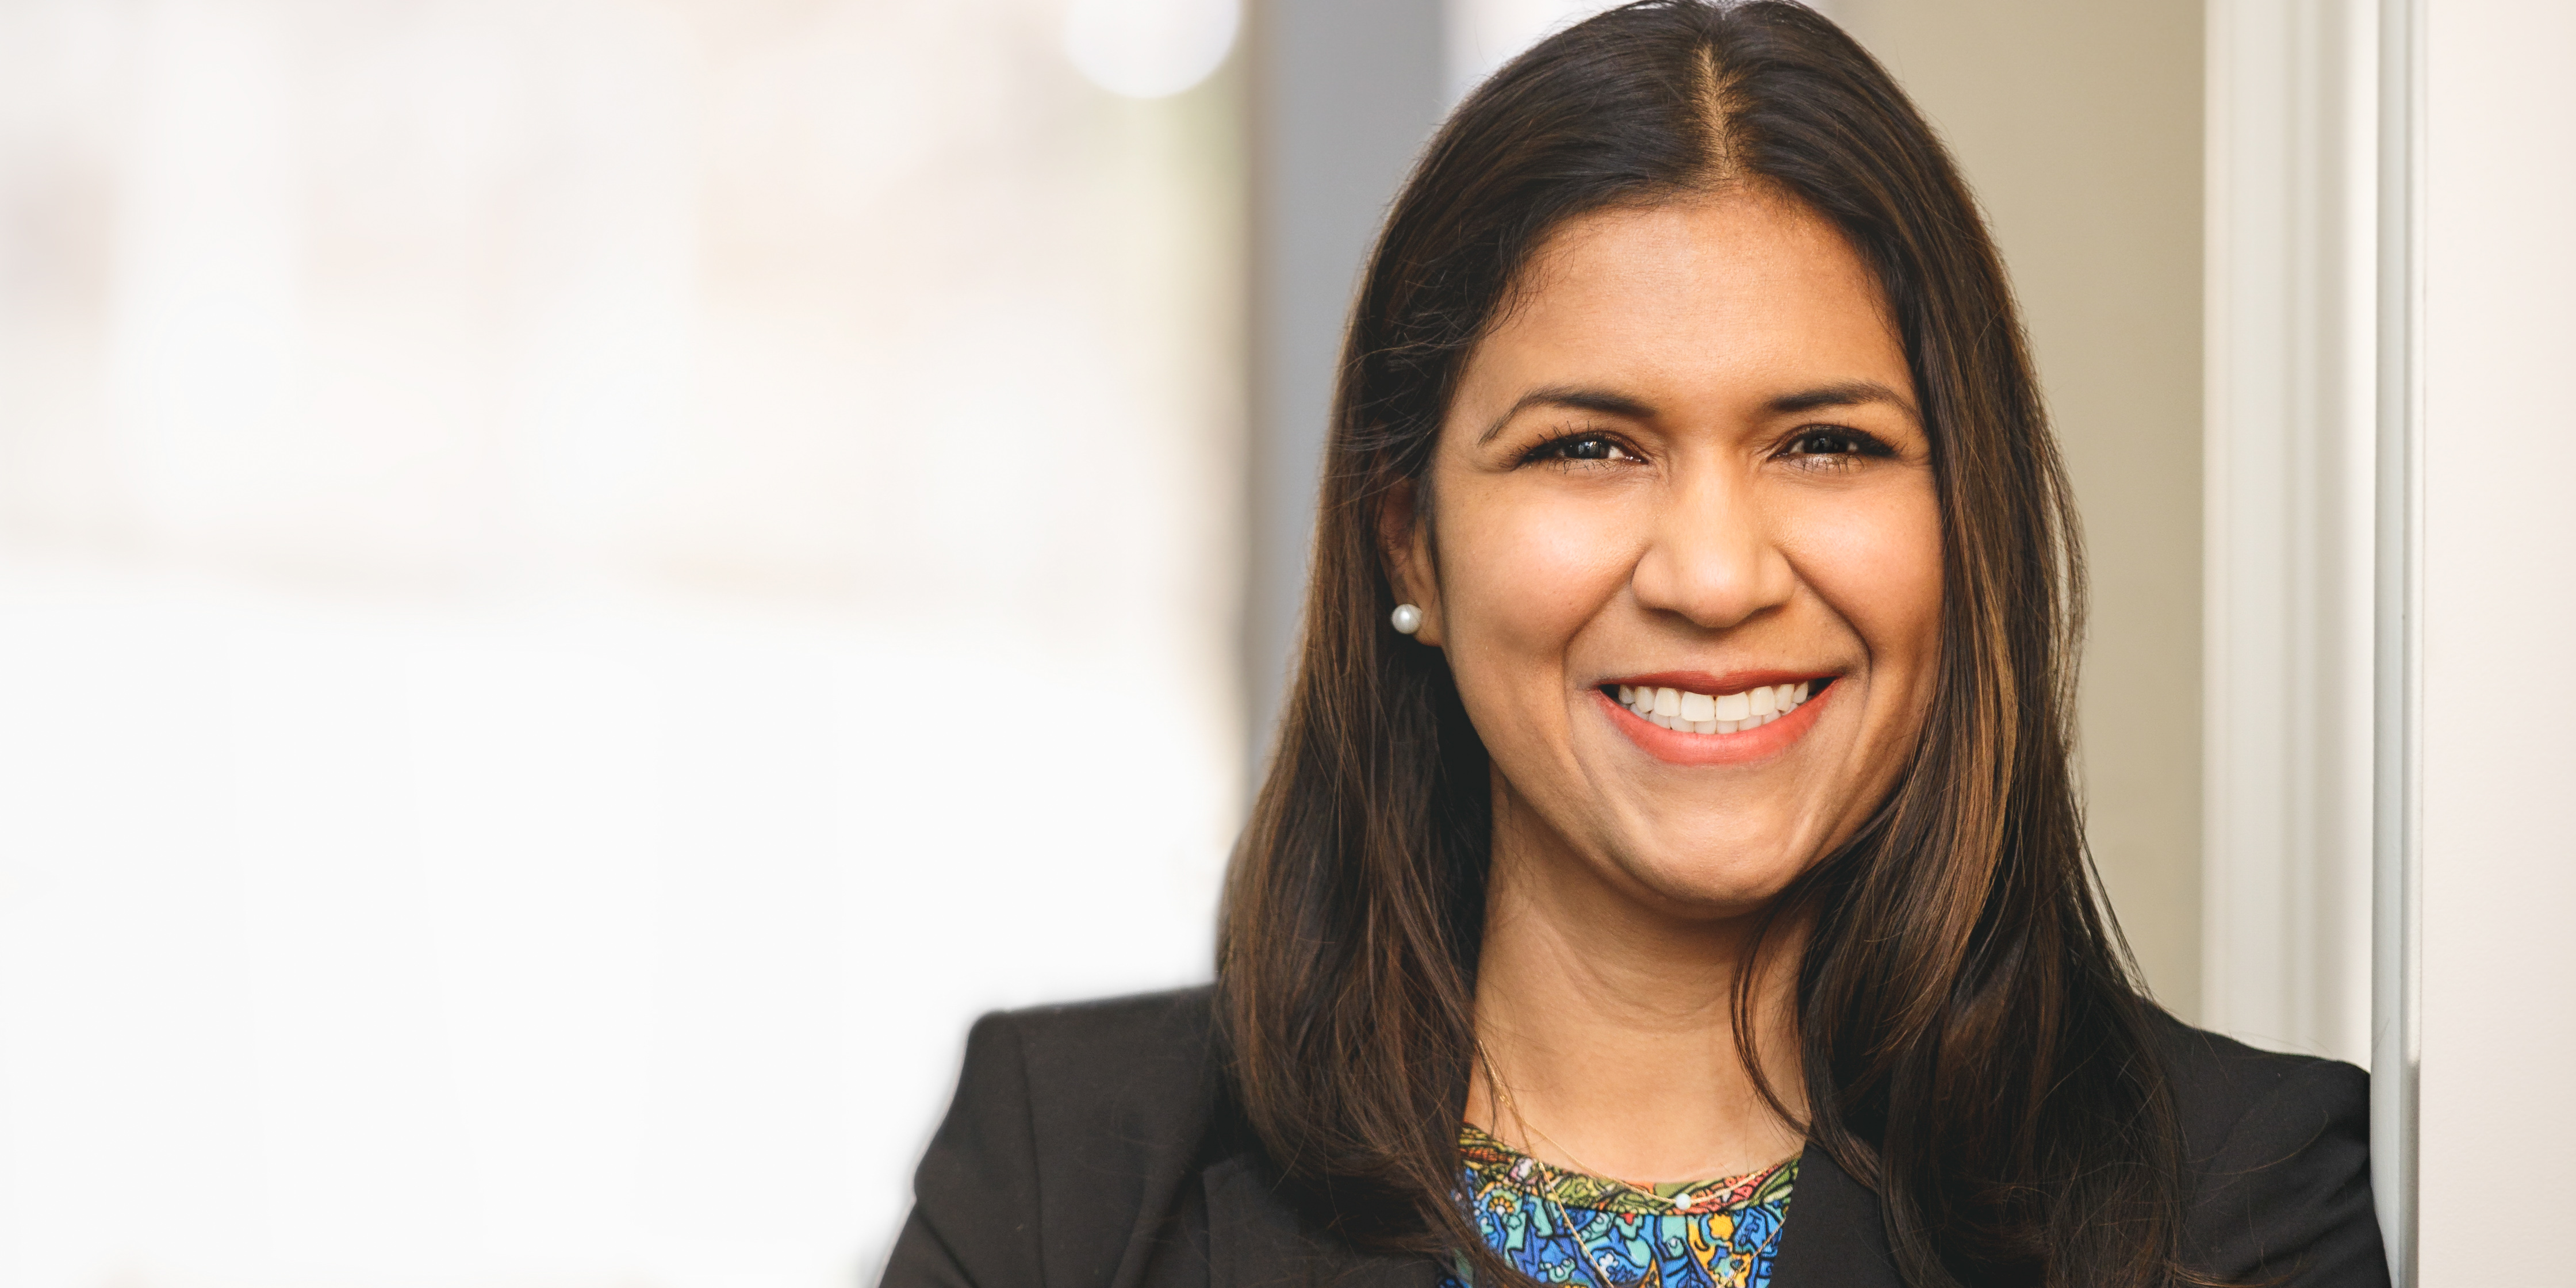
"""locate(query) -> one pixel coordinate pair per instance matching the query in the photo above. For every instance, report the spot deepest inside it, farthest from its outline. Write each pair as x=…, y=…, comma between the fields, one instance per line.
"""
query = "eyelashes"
x=1811, y=446
x=1588, y=447
x=1835, y=440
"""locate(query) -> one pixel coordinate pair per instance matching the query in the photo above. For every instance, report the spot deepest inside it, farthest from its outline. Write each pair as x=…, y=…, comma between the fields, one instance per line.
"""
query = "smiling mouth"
x=1683, y=711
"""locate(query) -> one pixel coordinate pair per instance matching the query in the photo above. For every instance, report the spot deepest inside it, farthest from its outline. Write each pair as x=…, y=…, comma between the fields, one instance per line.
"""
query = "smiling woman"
x=1670, y=870
x=1696, y=439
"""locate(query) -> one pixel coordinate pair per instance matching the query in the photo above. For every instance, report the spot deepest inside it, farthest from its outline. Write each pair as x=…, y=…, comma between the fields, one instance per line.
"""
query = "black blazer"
x=1093, y=1146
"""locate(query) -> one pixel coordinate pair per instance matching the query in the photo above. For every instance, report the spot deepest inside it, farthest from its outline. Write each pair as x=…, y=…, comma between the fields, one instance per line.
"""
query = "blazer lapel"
x=1833, y=1236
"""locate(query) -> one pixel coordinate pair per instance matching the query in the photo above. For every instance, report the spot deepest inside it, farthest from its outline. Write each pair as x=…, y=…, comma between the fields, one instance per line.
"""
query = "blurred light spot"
x=1150, y=48
x=1485, y=34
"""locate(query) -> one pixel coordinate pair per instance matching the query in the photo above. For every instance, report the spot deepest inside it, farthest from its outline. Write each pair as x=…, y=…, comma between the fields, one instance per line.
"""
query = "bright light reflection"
x=1150, y=48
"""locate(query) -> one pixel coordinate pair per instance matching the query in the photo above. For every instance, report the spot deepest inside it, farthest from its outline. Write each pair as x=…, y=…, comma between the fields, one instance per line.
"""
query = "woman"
x=1669, y=871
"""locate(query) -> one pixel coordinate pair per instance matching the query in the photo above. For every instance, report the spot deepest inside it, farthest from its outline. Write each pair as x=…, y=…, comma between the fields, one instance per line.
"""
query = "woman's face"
x=1689, y=461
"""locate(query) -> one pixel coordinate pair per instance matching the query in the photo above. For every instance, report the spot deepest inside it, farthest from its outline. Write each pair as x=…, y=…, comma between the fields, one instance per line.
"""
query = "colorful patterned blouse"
x=1562, y=1227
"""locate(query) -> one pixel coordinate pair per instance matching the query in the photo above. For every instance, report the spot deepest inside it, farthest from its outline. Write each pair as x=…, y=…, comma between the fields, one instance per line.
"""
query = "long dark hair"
x=1975, y=1046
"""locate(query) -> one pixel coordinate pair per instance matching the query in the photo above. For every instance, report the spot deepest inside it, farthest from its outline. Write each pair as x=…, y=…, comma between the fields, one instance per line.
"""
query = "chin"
x=1714, y=884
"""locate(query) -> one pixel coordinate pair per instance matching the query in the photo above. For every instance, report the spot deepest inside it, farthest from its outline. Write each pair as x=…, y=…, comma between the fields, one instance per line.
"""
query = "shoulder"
x=1071, y=1127
x=1127, y=1078
x=1145, y=1047
x=2219, y=1082
x=2277, y=1155
x=1125, y=1073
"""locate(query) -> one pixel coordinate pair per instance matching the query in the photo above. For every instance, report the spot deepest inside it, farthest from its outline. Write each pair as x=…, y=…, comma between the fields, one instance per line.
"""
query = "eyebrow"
x=1848, y=393
x=1570, y=396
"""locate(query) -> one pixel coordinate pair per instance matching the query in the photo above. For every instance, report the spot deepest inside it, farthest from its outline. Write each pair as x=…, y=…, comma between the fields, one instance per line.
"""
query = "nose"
x=1711, y=559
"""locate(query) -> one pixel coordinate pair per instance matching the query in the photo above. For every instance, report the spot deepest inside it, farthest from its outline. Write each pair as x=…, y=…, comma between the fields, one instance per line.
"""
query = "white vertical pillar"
x=2287, y=547
x=2397, y=620
x=2491, y=717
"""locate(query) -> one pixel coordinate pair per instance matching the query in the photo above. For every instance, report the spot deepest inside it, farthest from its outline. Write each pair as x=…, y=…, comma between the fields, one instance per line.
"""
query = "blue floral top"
x=1561, y=1227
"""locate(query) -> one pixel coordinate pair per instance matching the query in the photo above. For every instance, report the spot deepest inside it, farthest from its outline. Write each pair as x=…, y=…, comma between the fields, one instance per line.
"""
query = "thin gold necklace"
x=1511, y=1103
x=1565, y=1220
x=1503, y=1094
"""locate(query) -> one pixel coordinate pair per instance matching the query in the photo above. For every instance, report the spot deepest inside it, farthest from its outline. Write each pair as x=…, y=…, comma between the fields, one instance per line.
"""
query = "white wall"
x=2493, y=307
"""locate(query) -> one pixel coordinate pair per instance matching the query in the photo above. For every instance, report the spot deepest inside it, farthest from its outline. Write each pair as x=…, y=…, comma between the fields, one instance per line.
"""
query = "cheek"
x=1521, y=576
x=1876, y=561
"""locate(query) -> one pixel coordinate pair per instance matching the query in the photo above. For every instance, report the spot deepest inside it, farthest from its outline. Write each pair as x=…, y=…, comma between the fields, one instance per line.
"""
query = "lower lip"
x=1677, y=748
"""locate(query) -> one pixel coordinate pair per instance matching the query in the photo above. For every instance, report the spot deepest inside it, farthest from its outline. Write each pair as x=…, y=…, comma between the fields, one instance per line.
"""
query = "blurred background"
x=583, y=583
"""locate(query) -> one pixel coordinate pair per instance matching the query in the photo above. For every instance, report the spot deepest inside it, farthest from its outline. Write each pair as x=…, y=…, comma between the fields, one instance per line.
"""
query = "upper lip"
x=1713, y=683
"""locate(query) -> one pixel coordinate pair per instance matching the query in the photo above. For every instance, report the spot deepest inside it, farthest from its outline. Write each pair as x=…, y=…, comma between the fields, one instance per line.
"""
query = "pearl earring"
x=1406, y=619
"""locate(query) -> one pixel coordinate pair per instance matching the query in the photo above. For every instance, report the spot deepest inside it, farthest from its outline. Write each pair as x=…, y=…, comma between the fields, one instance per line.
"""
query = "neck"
x=1607, y=1025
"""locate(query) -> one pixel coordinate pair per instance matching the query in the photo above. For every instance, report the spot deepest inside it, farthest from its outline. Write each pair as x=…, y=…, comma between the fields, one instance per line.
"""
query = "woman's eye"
x=1831, y=446
x=1583, y=447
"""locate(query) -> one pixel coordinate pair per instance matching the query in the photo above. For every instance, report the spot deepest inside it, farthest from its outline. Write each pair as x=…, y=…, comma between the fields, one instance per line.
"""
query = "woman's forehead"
x=1697, y=298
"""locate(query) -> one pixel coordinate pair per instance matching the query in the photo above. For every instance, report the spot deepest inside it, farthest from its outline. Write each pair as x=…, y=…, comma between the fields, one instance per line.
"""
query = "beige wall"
x=2080, y=126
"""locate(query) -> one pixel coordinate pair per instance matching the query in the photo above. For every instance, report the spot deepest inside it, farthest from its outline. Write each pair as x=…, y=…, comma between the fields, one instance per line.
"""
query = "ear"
x=1404, y=543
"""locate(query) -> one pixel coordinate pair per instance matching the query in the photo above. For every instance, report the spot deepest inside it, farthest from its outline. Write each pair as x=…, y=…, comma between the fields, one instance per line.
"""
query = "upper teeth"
x=1688, y=712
